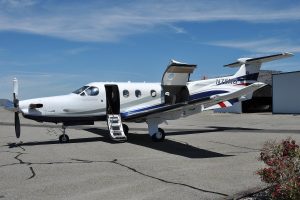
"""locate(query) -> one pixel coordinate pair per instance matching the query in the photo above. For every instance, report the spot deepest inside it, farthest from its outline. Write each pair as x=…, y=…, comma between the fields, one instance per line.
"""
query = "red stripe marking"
x=222, y=104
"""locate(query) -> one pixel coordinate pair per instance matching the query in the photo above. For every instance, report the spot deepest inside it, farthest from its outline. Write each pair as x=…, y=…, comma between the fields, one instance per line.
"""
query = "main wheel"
x=64, y=138
x=125, y=129
x=159, y=136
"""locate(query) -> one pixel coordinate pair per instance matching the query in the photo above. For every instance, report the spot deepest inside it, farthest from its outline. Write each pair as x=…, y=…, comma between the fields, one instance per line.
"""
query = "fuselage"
x=86, y=105
x=91, y=102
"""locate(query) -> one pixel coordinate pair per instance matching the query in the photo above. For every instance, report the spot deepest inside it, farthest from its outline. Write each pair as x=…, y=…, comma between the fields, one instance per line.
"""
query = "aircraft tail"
x=249, y=67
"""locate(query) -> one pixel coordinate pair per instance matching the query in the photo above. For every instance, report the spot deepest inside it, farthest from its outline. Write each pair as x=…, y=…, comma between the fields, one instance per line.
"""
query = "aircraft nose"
x=23, y=106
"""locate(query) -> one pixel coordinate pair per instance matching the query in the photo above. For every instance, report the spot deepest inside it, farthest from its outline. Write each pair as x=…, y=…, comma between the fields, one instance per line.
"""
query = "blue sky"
x=53, y=47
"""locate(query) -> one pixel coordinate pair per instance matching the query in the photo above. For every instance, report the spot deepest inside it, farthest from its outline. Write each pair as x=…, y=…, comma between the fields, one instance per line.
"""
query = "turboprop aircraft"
x=154, y=103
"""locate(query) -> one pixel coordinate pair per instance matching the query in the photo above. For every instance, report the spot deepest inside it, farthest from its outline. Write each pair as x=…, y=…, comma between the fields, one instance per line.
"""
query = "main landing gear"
x=159, y=136
x=64, y=138
x=156, y=134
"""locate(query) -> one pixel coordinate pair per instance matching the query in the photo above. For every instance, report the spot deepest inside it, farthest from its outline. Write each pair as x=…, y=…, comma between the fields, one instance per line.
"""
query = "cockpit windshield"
x=80, y=90
x=87, y=91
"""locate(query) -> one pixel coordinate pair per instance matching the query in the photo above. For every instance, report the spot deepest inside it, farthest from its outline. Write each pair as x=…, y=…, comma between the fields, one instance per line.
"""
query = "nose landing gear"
x=63, y=138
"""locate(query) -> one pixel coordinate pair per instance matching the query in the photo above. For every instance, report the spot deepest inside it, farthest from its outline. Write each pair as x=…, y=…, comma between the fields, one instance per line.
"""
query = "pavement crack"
x=87, y=161
x=166, y=181
x=33, y=173
x=232, y=145
x=20, y=161
x=115, y=161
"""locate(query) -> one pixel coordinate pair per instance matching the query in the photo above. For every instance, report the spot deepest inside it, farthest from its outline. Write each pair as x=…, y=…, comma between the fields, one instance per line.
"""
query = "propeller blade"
x=16, y=107
x=17, y=125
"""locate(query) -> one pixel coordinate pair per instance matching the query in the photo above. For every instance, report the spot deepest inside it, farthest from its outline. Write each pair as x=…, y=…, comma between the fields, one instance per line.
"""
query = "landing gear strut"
x=64, y=138
x=156, y=134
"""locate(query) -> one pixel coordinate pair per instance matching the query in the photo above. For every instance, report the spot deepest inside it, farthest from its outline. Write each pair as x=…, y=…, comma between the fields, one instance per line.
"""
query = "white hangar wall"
x=286, y=93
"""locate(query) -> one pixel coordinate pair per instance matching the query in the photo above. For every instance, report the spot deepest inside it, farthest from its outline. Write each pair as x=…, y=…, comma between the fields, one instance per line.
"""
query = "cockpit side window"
x=92, y=91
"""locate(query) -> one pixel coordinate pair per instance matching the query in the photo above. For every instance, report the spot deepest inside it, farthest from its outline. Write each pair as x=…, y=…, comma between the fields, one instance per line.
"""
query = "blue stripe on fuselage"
x=248, y=77
x=206, y=94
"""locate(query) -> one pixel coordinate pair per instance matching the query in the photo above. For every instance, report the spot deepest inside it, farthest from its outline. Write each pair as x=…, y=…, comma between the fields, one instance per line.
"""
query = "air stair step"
x=115, y=127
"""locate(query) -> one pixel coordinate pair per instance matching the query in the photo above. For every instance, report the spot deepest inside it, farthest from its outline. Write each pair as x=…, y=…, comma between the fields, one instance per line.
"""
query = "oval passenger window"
x=125, y=93
x=153, y=93
x=138, y=93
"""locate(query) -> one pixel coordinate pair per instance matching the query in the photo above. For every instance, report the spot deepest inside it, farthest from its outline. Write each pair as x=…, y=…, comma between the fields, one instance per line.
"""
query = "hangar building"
x=286, y=93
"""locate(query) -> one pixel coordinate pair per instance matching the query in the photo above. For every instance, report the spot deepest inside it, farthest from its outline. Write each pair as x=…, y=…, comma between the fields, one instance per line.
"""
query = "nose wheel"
x=64, y=138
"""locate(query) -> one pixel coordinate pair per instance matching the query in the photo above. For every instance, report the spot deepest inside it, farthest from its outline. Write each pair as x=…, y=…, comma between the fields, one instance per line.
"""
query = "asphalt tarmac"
x=205, y=156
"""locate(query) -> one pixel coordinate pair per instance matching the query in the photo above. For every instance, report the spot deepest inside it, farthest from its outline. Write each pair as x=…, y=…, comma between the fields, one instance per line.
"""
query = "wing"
x=215, y=99
x=7, y=105
x=168, y=112
x=199, y=105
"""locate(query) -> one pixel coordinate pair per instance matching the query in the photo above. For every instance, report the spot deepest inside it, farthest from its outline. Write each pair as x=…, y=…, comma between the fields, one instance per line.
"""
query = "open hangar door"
x=286, y=93
x=261, y=101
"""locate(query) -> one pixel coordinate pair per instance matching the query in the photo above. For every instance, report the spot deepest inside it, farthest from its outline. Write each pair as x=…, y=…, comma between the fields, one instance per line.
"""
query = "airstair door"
x=114, y=122
x=174, y=82
x=112, y=99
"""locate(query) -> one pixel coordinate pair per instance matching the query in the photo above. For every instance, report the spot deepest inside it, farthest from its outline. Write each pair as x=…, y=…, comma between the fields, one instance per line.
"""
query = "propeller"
x=16, y=108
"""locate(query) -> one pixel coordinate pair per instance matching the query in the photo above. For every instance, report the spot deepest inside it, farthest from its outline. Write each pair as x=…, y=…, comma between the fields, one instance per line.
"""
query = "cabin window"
x=138, y=93
x=153, y=93
x=92, y=91
x=125, y=93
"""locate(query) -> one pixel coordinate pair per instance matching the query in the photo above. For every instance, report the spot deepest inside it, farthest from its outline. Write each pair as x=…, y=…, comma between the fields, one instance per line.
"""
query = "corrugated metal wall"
x=286, y=93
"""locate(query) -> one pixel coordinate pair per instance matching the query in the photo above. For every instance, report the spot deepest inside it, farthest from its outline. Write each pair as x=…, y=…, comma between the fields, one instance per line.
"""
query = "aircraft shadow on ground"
x=212, y=129
x=167, y=146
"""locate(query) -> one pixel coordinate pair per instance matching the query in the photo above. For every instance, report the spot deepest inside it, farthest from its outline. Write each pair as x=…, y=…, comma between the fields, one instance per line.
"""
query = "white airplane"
x=154, y=103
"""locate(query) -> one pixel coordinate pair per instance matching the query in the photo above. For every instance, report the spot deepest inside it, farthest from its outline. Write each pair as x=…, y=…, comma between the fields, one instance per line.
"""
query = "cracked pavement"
x=205, y=156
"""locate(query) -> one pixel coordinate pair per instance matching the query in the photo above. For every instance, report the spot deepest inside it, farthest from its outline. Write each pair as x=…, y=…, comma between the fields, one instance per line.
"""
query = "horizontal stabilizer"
x=259, y=60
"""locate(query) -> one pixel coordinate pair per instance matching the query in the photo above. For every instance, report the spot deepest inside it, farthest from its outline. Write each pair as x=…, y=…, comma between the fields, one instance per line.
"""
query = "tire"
x=159, y=136
x=64, y=138
x=125, y=129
